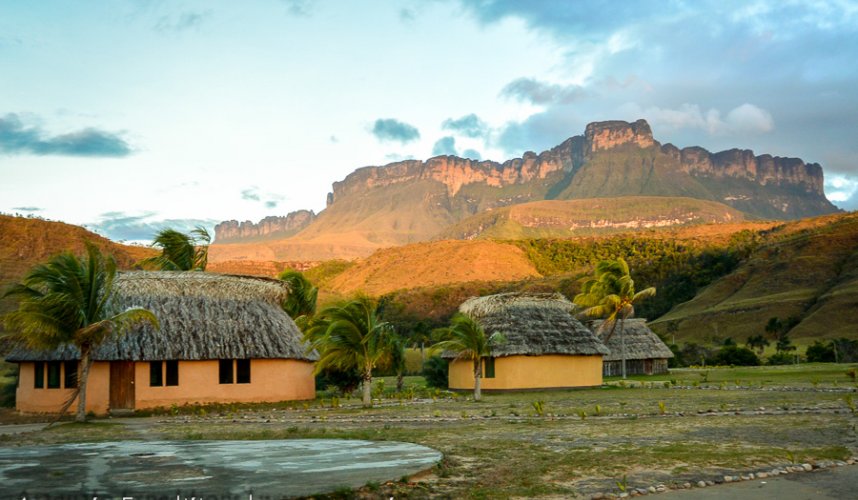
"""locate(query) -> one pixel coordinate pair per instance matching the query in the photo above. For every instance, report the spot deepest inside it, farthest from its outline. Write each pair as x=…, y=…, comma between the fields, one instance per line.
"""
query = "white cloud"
x=746, y=118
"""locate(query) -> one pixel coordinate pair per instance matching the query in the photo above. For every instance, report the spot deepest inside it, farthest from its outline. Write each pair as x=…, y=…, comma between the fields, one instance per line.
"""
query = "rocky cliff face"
x=600, y=136
x=273, y=226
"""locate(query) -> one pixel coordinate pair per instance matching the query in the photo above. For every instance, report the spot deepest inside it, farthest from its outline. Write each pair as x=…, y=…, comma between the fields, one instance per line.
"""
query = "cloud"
x=390, y=129
x=397, y=157
x=743, y=119
x=334, y=139
x=445, y=146
x=473, y=154
x=407, y=15
x=182, y=22
x=540, y=131
x=27, y=209
x=250, y=194
x=468, y=126
x=16, y=138
x=537, y=92
x=268, y=200
x=299, y=8
x=121, y=226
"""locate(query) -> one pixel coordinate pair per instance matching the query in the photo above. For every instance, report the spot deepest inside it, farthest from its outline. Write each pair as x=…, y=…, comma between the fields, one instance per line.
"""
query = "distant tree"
x=67, y=300
x=300, y=304
x=469, y=341
x=350, y=335
x=179, y=251
x=396, y=348
x=611, y=295
x=820, y=352
x=436, y=372
x=758, y=342
x=736, y=356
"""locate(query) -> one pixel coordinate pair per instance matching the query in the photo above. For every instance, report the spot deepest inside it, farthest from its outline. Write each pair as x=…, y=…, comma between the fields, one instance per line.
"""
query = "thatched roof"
x=202, y=316
x=641, y=342
x=533, y=324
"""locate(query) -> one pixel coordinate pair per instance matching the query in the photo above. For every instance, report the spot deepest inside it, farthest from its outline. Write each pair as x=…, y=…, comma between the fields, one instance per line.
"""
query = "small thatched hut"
x=222, y=339
x=546, y=347
x=646, y=354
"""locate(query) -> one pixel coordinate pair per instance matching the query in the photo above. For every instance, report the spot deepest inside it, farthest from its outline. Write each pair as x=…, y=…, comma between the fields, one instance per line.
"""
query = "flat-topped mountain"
x=412, y=201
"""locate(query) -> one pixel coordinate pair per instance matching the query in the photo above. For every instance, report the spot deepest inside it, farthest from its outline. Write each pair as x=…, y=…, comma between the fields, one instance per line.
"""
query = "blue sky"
x=129, y=116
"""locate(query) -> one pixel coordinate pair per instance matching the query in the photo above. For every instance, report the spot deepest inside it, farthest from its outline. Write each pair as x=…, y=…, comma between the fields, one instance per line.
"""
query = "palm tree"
x=68, y=301
x=180, y=251
x=610, y=295
x=396, y=348
x=350, y=336
x=467, y=338
x=300, y=305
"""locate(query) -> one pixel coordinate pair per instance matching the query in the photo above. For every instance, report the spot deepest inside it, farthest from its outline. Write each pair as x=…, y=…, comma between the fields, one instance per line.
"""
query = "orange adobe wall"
x=531, y=372
x=30, y=400
x=271, y=380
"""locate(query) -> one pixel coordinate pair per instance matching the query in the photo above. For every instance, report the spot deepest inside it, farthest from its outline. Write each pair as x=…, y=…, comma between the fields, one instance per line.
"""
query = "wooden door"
x=121, y=385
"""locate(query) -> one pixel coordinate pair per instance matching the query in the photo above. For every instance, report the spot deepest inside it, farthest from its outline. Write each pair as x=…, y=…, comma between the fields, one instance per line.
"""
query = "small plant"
x=335, y=402
x=662, y=408
x=622, y=383
x=851, y=373
x=582, y=414
x=790, y=456
x=722, y=386
x=622, y=484
x=850, y=403
x=666, y=385
x=704, y=376
x=306, y=406
x=539, y=408
x=597, y=410
x=814, y=382
x=436, y=413
x=465, y=414
x=695, y=383
x=673, y=382
x=378, y=390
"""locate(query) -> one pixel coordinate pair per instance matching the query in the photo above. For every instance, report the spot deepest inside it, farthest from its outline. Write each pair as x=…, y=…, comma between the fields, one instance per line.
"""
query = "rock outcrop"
x=272, y=226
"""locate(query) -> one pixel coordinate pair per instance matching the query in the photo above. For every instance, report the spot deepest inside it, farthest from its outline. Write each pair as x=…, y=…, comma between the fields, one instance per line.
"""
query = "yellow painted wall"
x=531, y=372
x=30, y=400
x=271, y=380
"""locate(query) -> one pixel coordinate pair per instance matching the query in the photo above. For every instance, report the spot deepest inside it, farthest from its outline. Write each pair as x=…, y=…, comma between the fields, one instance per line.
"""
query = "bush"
x=736, y=356
x=781, y=358
x=820, y=353
x=435, y=371
x=8, y=386
x=345, y=381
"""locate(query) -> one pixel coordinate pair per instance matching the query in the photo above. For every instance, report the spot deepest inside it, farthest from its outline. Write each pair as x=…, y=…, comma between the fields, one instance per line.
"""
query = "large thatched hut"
x=221, y=339
x=646, y=354
x=546, y=347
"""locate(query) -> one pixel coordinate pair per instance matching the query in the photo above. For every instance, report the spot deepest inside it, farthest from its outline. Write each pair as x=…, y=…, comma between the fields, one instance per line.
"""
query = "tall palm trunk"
x=623, y=347
x=477, y=377
x=400, y=381
x=367, y=385
x=82, y=377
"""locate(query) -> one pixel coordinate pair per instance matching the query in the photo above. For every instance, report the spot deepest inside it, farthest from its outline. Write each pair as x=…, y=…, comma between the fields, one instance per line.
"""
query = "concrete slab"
x=208, y=469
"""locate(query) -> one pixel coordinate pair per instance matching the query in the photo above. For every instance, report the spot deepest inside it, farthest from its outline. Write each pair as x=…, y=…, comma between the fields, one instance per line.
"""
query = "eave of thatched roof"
x=533, y=324
x=202, y=316
x=640, y=341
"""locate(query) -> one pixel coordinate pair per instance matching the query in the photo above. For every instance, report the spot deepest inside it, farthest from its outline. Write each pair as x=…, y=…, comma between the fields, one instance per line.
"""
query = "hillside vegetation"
x=566, y=218
x=25, y=242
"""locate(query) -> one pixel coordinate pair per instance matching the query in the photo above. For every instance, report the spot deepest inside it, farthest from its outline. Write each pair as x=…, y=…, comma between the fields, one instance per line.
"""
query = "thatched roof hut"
x=533, y=324
x=203, y=317
x=640, y=341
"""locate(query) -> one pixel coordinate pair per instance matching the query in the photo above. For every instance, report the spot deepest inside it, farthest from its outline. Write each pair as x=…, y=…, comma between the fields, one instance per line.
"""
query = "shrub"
x=820, y=353
x=8, y=386
x=781, y=358
x=737, y=356
x=435, y=371
x=346, y=381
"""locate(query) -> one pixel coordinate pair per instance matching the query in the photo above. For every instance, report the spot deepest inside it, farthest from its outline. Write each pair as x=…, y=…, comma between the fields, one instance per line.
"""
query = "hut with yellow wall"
x=545, y=347
x=221, y=339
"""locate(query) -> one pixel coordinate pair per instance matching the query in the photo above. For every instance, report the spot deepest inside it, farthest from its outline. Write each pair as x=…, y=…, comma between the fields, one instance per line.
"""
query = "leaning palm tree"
x=180, y=251
x=467, y=338
x=300, y=304
x=610, y=295
x=68, y=301
x=350, y=336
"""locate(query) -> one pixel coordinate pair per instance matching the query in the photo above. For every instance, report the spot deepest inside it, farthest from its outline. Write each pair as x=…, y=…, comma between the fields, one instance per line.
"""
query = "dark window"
x=225, y=371
x=172, y=372
x=54, y=374
x=39, y=374
x=156, y=377
x=242, y=371
x=71, y=375
x=490, y=367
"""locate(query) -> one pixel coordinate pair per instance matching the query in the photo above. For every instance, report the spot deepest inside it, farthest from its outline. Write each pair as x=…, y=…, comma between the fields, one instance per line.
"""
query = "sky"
x=132, y=116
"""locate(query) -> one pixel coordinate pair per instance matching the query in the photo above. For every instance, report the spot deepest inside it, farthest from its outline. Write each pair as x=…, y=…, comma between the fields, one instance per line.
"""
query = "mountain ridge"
x=411, y=201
